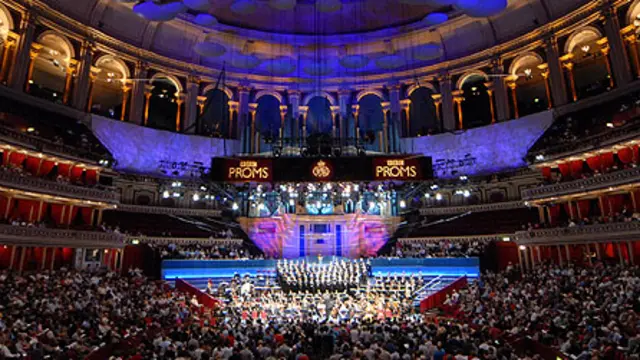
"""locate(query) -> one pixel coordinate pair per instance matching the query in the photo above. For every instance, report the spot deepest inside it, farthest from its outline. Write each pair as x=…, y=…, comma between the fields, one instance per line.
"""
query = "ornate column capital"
x=544, y=68
x=127, y=86
x=147, y=90
x=93, y=73
x=73, y=66
x=35, y=50
x=193, y=80
x=458, y=96
x=253, y=108
x=437, y=98
x=405, y=104
x=284, y=109
x=202, y=100
x=180, y=97
x=386, y=106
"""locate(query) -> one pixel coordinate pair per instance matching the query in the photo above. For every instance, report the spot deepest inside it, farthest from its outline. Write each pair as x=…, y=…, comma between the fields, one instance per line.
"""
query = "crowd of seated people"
x=48, y=131
x=625, y=215
x=66, y=314
x=587, y=312
x=440, y=249
x=53, y=175
x=209, y=251
x=338, y=274
x=588, y=127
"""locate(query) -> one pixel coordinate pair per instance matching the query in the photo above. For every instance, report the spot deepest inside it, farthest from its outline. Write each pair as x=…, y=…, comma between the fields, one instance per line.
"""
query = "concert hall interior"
x=320, y=179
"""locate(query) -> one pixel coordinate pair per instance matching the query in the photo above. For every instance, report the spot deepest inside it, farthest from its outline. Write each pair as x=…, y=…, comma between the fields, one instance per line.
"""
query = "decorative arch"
x=7, y=21
x=633, y=12
x=50, y=34
x=174, y=80
x=366, y=92
x=119, y=64
x=273, y=93
x=466, y=76
x=527, y=59
x=226, y=90
x=323, y=94
x=582, y=35
x=414, y=87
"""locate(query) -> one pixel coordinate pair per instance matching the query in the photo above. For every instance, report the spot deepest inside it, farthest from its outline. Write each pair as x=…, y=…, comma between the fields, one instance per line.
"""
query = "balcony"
x=452, y=210
x=600, y=182
x=144, y=209
x=35, y=236
x=622, y=231
x=479, y=238
x=14, y=180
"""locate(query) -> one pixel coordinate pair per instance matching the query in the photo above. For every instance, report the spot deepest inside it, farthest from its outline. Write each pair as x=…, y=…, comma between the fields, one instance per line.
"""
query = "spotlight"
x=403, y=204
x=523, y=248
x=438, y=196
x=165, y=194
x=234, y=207
x=31, y=129
x=196, y=197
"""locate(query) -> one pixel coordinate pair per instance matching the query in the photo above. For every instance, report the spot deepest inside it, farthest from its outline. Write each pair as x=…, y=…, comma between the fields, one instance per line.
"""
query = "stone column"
x=386, y=110
x=18, y=74
x=253, y=137
x=437, y=102
x=447, y=113
x=68, y=81
x=180, y=98
x=137, y=113
x=294, y=103
x=632, y=40
x=619, y=59
x=93, y=74
x=7, y=54
x=458, y=98
x=492, y=108
x=558, y=88
x=33, y=55
x=147, y=102
x=201, y=101
x=304, y=111
x=335, y=112
x=569, y=65
x=406, y=109
x=126, y=90
x=80, y=95
x=233, y=107
x=284, y=109
x=500, y=92
x=344, y=100
x=191, y=107
x=606, y=52
x=394, y=122
x=514, y=98
x=547, y=87
x=243, y=119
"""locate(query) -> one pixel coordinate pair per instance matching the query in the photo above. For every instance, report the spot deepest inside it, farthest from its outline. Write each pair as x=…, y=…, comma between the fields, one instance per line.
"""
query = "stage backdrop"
x=489, y=149
x=144, y=150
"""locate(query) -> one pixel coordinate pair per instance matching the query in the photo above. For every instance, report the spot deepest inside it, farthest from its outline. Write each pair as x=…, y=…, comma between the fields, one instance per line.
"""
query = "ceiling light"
x=586, y=48
x=438, y=196
x=528, y=72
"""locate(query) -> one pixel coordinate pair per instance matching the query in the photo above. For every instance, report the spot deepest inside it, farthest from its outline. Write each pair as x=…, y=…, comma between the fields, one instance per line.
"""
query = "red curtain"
x=554, y=213
x=625, y=155
x=32, y=164
x=17, y=158
x=583, y=206
x=594, y=163
x=616, y=202
x=546, y=173
x=5, y=256
x=92, y=177
x=606, y=160
x=576, y=168
x=27, y=210
x=507, y=253
x=76, y=173
x=605, y=208
x=565, y=170
x=133, y=257
x=63, y=169
x=66, y=258
x=56, y=213
x=86, y=215
x=46, y=167
x=636, y=155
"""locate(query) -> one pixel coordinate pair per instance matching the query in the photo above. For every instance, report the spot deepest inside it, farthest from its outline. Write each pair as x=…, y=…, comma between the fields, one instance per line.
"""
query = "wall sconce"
x=527, y=72
x=586, y=48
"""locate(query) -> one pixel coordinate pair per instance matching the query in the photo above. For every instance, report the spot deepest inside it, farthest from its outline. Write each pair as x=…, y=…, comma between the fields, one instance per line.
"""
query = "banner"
x=397, y=169
x=248, y=170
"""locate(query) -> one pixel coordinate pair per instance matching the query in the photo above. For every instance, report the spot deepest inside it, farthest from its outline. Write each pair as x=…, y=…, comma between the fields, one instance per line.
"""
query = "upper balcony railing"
x=598, y=182
x=620, y=231
x=14, y=180
x=36, y=236
x=450, y=210
x=144, y=209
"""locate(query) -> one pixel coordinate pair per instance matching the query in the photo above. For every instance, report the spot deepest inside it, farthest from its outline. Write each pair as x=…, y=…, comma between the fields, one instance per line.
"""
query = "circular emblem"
x=321, y=170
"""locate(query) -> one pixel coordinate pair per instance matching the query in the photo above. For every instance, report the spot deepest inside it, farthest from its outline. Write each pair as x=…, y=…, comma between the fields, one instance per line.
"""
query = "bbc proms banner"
x=144, y=150
x=490, y=149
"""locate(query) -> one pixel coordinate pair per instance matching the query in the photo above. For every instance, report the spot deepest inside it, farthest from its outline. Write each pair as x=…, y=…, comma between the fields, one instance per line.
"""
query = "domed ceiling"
x=310, y=17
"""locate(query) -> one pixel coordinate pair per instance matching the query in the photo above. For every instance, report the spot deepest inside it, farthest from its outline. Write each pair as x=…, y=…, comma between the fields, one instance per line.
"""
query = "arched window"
x=319, y=116
x=424, y=120
x=267, y=120
x=214, y=120
x=476, y=109
x=530, y=91
x=51, y=67
x=370, y=120
x=106, y=97
x=589, y=72
x=163, y=107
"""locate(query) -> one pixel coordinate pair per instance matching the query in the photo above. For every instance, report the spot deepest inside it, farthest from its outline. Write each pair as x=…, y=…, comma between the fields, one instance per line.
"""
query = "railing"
x=437, y=299
x=448, y=210
x=131, y=239
x=35, y=236
x=30, y=183
x=611, y=232
x=143, y=209
x=599, y=182
x=481, y=238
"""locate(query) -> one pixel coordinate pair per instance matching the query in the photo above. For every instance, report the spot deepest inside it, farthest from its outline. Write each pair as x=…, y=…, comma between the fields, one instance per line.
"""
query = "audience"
x=443, y=248
x=207, y=251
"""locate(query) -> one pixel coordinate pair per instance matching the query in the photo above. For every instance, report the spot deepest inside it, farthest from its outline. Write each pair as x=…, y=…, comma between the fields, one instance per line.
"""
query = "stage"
x=225, y=269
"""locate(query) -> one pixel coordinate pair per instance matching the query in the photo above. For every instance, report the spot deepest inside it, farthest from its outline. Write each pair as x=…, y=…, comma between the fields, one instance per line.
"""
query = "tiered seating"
x=153, y=225
x=481, y=223
x=47, y=130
